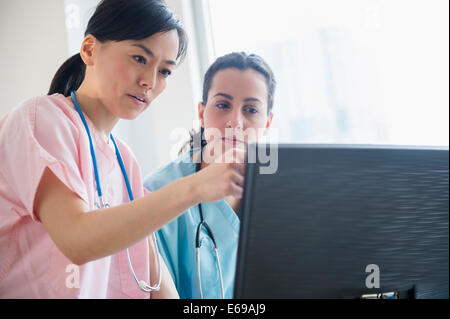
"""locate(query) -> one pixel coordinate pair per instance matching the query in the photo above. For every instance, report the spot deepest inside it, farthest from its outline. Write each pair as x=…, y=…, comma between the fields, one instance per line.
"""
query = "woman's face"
x=236, y=108
x=128, y=75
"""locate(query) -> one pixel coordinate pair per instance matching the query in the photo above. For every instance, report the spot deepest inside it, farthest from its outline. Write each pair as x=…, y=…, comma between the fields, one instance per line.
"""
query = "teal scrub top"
x=176, y=240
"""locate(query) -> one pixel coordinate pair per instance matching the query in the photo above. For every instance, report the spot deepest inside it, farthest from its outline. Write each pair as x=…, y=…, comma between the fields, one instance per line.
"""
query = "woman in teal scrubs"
x=236, y=108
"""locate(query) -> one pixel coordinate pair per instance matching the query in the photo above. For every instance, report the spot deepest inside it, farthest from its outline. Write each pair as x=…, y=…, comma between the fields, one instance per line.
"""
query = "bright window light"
x=348, y=71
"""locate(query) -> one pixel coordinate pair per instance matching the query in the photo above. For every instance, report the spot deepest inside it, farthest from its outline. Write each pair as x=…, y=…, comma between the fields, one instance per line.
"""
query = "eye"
x=251, y=109
x=222, y=105
x=165, y=72
x=139, y=59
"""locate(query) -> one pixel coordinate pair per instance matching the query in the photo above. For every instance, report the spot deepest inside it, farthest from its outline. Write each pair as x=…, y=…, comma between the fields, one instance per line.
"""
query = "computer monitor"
x=341, y=221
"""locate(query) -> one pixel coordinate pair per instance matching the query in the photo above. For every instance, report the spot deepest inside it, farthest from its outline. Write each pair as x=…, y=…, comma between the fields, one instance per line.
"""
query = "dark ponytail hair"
x=119, y=20
x=241, y=61
x=69, y=76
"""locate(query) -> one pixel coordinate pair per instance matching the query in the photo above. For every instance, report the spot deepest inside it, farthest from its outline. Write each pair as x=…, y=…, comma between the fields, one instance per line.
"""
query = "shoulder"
x=60, y=106
x=170, y=172
x=41, y=117
x=49, y=107
x=54, y=120
x=47, y=113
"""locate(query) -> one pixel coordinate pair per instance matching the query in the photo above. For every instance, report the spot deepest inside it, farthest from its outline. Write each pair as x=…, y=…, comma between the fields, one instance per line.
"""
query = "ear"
x=88, y=49
x=201, y=112
x=268, y=123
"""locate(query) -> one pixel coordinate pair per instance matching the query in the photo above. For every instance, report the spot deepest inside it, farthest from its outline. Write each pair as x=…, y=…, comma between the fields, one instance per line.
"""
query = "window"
x=348, y=71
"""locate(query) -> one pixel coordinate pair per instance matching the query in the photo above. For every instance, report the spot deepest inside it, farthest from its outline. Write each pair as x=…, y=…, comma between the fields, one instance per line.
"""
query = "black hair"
x=241, y=61
x=119, y=20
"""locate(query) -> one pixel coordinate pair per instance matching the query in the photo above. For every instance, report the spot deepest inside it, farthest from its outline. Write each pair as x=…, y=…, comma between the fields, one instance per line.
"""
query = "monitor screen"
x=341, y=221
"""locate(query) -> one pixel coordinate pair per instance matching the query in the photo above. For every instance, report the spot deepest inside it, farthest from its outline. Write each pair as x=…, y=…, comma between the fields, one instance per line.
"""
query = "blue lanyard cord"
x=122, y=167
x=94, y=160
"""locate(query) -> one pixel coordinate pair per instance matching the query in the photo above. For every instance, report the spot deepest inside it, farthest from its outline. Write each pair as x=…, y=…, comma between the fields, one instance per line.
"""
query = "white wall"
x=35, y=42
x=32, y=47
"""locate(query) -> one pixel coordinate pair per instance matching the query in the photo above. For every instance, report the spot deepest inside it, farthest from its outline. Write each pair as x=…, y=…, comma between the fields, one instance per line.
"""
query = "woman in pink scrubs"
x=56, y=238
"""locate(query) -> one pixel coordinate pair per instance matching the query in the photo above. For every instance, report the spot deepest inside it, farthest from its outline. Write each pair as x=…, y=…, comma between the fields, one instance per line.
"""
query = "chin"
x=130, y=115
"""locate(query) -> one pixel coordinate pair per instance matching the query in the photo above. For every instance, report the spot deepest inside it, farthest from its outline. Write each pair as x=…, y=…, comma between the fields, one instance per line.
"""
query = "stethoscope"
x=141, y=283
x=204, y=224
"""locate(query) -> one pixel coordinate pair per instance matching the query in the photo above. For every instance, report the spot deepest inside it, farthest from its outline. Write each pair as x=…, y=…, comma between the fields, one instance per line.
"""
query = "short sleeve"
x=148, y=184
x=37, y=135
x=159, y=178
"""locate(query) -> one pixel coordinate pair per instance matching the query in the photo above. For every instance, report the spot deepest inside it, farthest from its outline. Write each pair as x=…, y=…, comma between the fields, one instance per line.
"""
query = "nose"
x=235, y=121
x=148, y=79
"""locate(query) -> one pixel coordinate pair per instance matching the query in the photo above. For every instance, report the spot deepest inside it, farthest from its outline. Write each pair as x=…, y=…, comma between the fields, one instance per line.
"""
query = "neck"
x=91, y=105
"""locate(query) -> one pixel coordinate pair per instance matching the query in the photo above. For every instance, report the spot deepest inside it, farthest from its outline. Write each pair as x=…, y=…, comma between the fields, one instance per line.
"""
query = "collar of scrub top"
x=210, y=233
x=141, y=283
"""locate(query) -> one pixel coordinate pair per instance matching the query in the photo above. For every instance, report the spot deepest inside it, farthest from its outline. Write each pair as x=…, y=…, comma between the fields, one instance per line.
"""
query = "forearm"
x=106, y=231
x=84, y=235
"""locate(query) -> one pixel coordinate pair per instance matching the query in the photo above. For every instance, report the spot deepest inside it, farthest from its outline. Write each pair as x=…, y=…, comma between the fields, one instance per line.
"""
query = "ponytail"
x=68, y=77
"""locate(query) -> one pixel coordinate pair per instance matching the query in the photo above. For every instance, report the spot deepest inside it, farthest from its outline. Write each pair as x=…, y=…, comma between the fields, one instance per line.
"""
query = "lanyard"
x=94, y=159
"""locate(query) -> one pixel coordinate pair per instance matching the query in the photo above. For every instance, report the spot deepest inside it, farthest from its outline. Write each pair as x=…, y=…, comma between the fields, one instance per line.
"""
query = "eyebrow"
x=149, y=52
x=227, y=96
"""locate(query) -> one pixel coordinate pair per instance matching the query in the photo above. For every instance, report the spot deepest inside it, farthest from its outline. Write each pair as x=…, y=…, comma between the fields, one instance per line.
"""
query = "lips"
x=140, y=97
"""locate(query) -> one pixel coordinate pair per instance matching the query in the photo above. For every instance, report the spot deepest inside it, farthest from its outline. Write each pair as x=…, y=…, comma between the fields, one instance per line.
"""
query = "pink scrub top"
x=48, y=132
